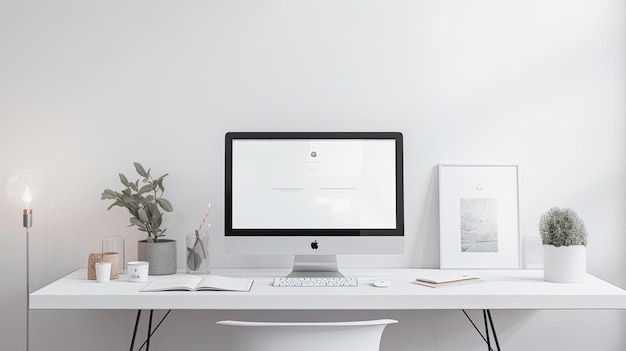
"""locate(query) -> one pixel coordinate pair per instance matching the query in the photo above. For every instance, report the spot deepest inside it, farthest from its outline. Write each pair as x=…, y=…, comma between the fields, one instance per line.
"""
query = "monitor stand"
x=315, y=266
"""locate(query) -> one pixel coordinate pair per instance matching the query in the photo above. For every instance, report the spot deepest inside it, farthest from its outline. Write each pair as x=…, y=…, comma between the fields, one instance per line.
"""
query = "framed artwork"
x=479, y=216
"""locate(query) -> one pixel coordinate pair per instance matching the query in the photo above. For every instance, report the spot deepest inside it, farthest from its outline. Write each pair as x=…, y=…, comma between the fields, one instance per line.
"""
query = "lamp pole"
x=27, y=220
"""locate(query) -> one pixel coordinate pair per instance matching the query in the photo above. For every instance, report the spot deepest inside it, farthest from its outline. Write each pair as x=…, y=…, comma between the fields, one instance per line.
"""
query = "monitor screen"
x=314, y=193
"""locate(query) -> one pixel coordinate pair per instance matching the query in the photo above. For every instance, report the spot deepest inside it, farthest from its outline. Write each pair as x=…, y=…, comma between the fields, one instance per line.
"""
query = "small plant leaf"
x=160, y=182
x=143, y=215
x=116, y=203
x=108, y=194
x=137, y=222
x=123, y=179
x=146, y=188
x=153, y=211
x=165, y=205
x=128, y=198
x=139, y=168
x=148, y=198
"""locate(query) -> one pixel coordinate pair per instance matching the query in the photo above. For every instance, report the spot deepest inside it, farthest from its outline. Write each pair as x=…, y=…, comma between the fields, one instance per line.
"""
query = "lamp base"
x=27, y=218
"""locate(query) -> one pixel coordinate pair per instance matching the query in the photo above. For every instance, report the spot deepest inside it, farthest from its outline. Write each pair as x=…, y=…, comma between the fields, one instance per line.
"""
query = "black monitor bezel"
x=398, y=231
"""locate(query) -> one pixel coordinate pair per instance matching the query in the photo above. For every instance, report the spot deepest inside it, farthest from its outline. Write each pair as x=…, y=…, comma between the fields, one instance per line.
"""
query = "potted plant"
x=144, y=201
x=564, y=239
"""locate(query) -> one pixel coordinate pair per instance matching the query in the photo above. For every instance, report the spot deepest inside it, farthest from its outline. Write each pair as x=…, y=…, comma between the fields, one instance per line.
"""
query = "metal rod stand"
x=488, y=321
x=27, y=293
x=151, y=331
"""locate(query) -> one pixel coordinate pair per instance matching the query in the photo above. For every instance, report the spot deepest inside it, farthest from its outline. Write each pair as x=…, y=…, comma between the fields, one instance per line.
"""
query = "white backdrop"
x=88, y=87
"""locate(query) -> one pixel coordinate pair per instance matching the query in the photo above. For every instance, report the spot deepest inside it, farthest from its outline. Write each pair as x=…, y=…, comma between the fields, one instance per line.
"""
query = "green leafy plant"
x=562, y=227
x=143, y=203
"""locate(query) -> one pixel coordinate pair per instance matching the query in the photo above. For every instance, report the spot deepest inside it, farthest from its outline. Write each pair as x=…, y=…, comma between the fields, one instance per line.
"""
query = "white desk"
x=502, y=289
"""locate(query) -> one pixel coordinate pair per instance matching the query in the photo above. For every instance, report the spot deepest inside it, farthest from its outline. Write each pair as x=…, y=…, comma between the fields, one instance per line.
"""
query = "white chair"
x=306, y=336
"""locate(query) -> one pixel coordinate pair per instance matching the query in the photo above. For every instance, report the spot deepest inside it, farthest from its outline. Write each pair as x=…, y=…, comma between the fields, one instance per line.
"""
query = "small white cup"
x=138, y=271
x=103, y=272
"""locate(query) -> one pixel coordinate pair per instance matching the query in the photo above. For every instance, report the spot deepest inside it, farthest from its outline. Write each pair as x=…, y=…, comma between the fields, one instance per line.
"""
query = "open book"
x=195, y=283
x=436, y=279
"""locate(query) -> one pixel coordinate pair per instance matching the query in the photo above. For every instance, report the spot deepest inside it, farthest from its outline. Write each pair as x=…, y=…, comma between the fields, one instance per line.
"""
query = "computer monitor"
x=314, y=195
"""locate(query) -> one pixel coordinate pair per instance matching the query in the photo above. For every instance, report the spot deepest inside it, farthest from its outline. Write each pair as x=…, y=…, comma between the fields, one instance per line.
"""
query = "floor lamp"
x=20, y=193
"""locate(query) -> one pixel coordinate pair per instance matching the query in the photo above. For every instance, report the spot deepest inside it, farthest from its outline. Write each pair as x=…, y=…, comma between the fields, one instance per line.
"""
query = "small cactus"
x=562, y=227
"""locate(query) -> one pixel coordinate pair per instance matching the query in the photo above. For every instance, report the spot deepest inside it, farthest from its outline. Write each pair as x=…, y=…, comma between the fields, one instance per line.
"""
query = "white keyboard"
x=316, y=282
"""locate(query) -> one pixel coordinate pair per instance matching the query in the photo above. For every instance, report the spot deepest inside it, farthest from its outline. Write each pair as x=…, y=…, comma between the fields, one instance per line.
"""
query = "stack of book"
x=437, y=279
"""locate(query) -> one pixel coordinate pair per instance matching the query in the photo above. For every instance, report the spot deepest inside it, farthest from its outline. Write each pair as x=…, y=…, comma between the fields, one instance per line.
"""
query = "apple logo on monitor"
x=314, y=245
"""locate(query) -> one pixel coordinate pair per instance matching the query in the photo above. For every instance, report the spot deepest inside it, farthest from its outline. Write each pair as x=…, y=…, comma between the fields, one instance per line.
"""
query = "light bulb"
x=24, y=190
x=27, y=197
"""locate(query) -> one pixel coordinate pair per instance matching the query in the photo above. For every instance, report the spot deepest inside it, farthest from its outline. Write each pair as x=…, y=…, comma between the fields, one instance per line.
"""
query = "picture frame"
x=479, y=217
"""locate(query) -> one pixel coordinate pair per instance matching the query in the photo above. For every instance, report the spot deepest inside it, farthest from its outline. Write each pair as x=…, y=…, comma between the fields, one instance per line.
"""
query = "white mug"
x=138, y=271
x=103, y=272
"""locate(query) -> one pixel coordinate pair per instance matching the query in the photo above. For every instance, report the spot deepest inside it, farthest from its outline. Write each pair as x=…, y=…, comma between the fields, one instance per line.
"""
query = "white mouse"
x=382, y=283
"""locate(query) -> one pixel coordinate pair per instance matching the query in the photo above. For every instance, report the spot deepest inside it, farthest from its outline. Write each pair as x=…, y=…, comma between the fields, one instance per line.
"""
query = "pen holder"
x=197, y=258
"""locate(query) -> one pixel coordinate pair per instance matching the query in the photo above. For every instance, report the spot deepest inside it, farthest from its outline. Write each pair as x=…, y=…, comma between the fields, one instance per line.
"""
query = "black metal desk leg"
x=493, y=329
x=132, y=343
x=487, y=331
x=488, y=323
x=149, y=331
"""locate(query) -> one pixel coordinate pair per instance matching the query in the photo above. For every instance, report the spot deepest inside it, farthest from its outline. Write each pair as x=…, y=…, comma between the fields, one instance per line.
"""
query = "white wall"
x=88, y=87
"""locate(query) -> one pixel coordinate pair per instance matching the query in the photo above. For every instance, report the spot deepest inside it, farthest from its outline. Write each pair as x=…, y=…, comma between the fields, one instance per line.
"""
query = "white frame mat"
x=479, y=216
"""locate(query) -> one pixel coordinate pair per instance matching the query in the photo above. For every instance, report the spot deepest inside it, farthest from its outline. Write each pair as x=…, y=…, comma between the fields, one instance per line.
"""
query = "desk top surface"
x=501, y=289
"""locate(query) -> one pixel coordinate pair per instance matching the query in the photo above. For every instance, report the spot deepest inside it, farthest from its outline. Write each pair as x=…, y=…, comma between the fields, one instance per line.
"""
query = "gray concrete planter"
x=161, y=255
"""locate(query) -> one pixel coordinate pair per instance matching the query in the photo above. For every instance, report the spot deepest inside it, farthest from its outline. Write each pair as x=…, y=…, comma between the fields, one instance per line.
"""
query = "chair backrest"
x=306, y=336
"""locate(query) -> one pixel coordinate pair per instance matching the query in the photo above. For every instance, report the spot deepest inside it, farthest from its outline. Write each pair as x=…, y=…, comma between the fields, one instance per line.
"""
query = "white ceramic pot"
x=564, y=264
